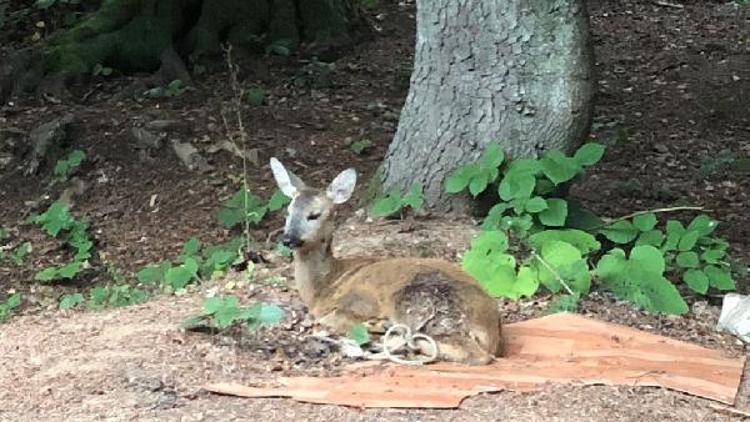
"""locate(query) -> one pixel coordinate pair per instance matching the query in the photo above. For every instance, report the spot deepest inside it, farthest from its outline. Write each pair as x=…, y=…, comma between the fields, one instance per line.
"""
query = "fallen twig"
x=668, y=4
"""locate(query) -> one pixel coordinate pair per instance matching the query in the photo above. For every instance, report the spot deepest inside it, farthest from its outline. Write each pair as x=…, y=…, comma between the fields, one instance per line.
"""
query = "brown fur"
x=431, y=296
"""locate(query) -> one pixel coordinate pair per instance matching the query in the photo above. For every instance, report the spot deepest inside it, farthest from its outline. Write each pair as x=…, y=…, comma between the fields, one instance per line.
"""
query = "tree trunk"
x=136, y=35
x=517, y=72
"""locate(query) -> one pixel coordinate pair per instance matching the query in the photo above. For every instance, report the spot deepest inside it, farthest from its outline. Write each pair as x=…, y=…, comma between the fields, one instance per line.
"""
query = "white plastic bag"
x=735, y=316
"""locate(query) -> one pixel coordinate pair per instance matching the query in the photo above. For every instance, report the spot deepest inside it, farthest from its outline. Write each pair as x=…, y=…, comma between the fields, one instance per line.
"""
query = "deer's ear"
x=340, y=190
x=289, y=184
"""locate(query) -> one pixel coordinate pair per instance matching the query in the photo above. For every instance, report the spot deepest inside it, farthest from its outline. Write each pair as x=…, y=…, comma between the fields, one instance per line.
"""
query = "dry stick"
x=554, y=273
x=667, y=4
x=238, y=94
x=655, y=211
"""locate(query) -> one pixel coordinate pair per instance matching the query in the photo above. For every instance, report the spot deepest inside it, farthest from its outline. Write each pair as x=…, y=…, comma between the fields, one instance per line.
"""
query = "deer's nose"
x=291, y=241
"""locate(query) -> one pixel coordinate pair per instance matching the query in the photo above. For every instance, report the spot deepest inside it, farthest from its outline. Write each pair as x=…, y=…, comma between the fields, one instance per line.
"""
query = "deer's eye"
x=314, y=216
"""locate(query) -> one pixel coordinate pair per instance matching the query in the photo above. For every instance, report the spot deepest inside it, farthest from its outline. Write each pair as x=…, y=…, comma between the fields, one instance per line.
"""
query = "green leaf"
x=649, y=258
x=517, y=184
x=536, y=204
x=568, y=264
x=675, y=230
x=478, y=184
x=555, y=214
x=150, y=274
x=500, y=281
x=688, y=240
x=461, y=177
x=713, y=256
x=13, y=301
x=564, y=303
x=703, y=224
x=359, y=334
x=389, y=205
x=696, y=280
x=69, y=270
x=645, y=222
x=70, y=301
x=583, y=241
x=178, y=277
x=558, y=168
x=46, y=274
x=719, y=278
x=527, y=282
x=191, y=247
x=580, y=217
x=589, y=154
x=265, y=313
x=687, y=259
x=493, y=156
x=652, y=237
x=414, y=198
x=278, y=200
x=620, y=232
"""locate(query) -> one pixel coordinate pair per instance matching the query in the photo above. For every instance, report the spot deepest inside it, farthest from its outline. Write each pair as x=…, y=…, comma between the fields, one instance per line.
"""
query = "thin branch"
x=554, y=273
x=668, y=4
x=608, y=222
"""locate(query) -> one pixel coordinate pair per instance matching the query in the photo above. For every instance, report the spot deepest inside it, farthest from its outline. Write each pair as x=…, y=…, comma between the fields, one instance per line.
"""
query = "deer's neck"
x=312, y=269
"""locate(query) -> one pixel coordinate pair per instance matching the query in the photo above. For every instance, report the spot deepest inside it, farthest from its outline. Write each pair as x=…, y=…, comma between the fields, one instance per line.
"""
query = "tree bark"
x=517, y=72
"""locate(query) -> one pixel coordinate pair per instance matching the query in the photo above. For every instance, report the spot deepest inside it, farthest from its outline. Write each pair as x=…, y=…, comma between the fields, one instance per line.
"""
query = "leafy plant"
x=11, y=302
x=117, y=295
x=359, y=147
x=18, y=255
x=359, y=334
x=222, y=312
x=70, y=301
x=100, y=70
x=173, y=89
x=256, y=96
x=280, y=47
x=393, y=202
x=245, y=206
x=65, y=166
x=58, y=222
x=558, y=238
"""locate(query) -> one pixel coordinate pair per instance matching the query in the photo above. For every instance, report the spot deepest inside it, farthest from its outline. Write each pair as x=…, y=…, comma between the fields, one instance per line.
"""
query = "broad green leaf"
x=359, y=334
x=493, y=156
x=620, y=232
x=688, y=240
x=562, y=257
x=69, y=270
x=527, y=282
x=150, y=274
x=229, y=217
x=499, y=282
x=657, y=294
x=536, y=204
x=266, y=313
x=713, y=256
x=649, y=258
x=277, y=201
x=492, y=221
x=589, y=154
x=389, y=205
x=414, y=198
x=652, y=237
x=191, y=247
x=675, y=230
x=555, y=214
x=687, y=259
x=70, y=301
x=558, y=168
x=46, y=274
x=719, y=278
x=13, y=301
x=696, y=280
x=583, y=241
x=226, y=315
x=579, y=217
x=564, y=303
x=612, y=265
x=703, y=224
x=518, y=184
x=178, y=277
x=478, y=184
x=645, y=222
x=461, y=177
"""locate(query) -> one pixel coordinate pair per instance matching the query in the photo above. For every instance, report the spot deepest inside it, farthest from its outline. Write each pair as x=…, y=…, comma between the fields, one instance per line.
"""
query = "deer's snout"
x=291, y=241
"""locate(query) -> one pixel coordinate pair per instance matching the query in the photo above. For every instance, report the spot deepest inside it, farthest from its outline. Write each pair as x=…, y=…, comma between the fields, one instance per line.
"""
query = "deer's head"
x=309, y=215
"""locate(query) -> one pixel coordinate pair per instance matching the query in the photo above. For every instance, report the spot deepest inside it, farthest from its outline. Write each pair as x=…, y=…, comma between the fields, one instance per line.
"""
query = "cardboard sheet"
x=560, y=348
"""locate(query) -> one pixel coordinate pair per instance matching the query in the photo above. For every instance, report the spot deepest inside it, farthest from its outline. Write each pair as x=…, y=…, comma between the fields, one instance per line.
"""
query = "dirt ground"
x=674, y=91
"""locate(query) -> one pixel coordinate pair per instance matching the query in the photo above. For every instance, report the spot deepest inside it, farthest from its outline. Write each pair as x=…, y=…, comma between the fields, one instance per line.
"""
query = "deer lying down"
x=430, y=296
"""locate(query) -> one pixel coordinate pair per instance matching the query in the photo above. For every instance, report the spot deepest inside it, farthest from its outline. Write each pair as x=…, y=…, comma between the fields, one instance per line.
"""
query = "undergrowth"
x=534, y=238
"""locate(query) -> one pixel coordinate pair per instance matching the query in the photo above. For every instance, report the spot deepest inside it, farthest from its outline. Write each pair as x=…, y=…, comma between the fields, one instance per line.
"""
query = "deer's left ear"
x=342, y=187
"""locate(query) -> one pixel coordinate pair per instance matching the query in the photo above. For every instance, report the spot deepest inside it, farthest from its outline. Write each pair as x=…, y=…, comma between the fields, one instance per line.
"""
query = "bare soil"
x=674, y=91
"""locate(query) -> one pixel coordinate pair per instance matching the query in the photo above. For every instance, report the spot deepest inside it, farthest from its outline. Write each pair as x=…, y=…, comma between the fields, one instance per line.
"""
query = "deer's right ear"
x=289, y=184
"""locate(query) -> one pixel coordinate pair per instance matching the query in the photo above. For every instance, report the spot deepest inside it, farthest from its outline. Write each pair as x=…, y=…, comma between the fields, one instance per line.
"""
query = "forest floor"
x=672, y=105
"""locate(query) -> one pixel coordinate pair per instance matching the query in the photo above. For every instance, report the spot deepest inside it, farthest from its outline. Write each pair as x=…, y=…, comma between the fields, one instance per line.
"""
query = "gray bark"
x=517, y=72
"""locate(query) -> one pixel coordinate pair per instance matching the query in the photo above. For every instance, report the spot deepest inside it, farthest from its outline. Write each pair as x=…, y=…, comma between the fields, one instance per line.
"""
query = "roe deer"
x=430, y=296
